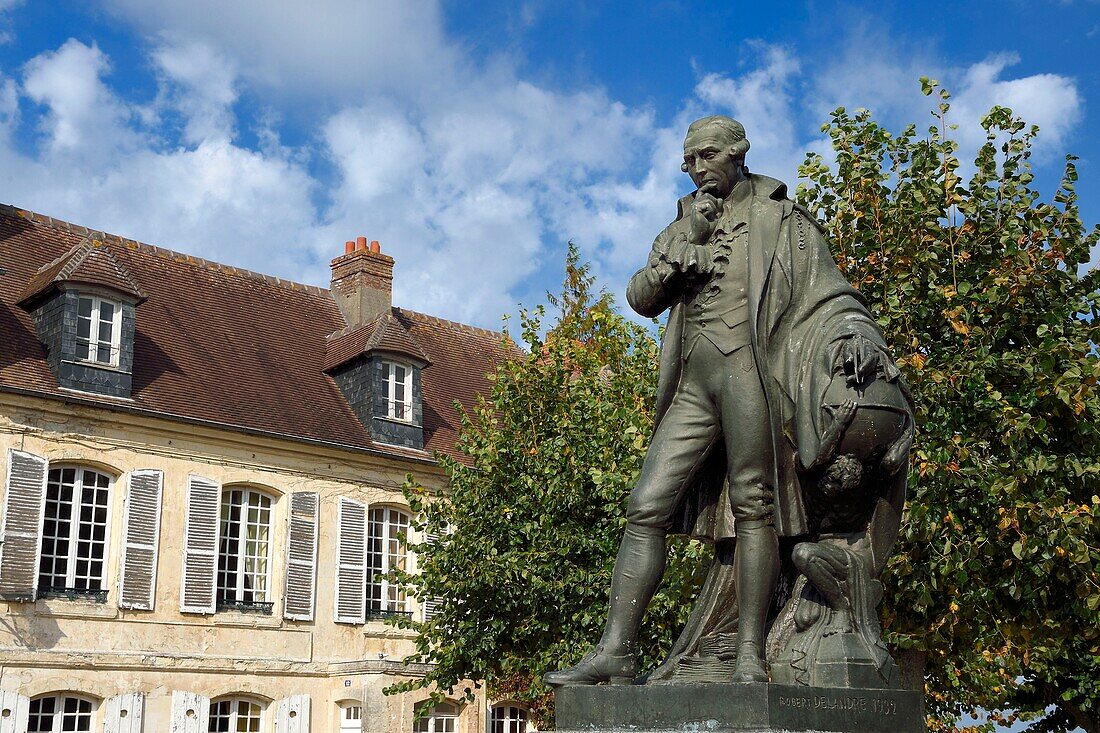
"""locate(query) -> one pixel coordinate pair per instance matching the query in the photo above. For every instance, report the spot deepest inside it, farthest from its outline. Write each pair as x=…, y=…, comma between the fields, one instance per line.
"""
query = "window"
x=440, y=719
x=507, y=719
x=235, y=715
x=74, y=533
x=351, y=718
x=244, y=550
x=57, y=713
x=398, y=380
x=385, y=552
x=98, y=329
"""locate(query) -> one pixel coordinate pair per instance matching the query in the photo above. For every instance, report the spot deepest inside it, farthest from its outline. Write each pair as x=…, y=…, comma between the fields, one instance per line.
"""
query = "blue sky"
x=475, y=139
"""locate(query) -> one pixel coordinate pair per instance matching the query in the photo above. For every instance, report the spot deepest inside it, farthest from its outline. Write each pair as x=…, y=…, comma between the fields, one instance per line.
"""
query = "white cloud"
x=333, y=49
x=1050, y=101
x=5, y=6
x=9, y=107
x=202, y=85
x=85, y=120
x=469, y=190
x=873, y=72
x=472, y=178
x=97, y=167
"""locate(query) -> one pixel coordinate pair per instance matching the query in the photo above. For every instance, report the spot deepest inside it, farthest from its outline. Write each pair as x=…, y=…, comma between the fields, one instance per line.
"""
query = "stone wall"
x=101, y=650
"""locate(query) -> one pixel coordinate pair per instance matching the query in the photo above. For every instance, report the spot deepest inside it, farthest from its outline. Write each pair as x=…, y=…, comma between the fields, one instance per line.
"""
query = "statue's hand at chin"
x=704, y=214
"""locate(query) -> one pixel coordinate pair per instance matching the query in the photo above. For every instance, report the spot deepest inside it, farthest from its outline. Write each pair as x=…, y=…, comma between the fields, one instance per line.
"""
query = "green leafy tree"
x=528, y=531
x=978, y=284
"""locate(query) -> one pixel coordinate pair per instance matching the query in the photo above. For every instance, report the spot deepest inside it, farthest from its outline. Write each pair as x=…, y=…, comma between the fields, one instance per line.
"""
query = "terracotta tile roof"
x=345, y=345
x=89, y=262
x=389, y=333
x=229, y=346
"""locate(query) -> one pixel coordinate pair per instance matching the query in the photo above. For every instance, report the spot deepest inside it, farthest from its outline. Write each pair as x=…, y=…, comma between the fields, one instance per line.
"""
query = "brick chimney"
x=362, y=282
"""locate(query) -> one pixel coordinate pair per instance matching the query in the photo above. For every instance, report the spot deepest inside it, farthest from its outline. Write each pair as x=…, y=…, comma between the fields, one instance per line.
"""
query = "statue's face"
x=708, y=161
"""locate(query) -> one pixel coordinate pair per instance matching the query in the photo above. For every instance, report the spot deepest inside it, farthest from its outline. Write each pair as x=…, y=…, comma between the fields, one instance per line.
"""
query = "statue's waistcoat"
x=719, y=309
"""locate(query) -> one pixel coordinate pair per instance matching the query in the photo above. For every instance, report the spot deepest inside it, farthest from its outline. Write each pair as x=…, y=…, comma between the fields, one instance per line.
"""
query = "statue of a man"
x=760, y=322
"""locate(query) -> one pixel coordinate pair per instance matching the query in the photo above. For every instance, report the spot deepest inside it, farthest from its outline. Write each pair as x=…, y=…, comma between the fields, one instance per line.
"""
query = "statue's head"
x=714, y=154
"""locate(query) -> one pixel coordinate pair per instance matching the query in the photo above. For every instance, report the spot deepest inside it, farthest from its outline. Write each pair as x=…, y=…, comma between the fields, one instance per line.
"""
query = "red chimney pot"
x=360, y=242
x=374, y=246
x=349, y=247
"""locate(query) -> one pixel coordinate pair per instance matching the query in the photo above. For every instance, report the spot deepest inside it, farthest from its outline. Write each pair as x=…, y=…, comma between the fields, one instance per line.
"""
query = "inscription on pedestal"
x=878, y=705
x=718, y=708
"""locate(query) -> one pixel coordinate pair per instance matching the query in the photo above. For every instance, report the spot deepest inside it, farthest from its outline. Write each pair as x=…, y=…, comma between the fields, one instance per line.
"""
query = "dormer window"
x=378, y=367
x=398, y=384
x=83, y=306
x=98, y=330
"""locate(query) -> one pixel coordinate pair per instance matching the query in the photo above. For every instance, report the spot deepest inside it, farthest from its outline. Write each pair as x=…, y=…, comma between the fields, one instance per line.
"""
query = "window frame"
x=346, y=707
x=431, y=723
x=57, y=717
x=238, y=601
x=235, y=711
x=391, y=600
x=90, y=346
x=521, y=721
x=389, y=379
x=72, y=559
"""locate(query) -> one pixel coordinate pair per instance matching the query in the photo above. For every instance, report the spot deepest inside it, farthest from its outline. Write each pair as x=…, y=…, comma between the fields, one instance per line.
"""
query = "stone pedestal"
x=717, y=708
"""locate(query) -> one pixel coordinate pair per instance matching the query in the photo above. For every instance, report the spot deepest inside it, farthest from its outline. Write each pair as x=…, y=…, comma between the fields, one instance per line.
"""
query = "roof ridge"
x=389, y=321
x=348, y=329
x=449, y=323
x=92, y=245
x=79, y=230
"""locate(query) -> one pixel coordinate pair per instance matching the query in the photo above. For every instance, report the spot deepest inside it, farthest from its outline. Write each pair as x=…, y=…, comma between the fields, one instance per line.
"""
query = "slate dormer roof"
x=90, y=262
x=389, y=333
x=225, y=346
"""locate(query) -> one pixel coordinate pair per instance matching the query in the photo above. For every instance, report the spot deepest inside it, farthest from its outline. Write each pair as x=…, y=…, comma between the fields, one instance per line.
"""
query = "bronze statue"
x=782, y=436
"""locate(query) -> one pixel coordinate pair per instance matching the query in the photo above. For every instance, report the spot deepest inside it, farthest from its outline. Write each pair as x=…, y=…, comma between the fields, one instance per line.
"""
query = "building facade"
x=202, y=489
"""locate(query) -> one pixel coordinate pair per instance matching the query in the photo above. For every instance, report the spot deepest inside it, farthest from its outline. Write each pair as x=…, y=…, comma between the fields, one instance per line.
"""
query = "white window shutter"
x=430, y=606
x=200, y=551
x=301, y=556
x=351, y=572
x=138, y=578
x=292, y=714
x=14, y=709
x=190, y=713
x=24, y=502
x=124, y=713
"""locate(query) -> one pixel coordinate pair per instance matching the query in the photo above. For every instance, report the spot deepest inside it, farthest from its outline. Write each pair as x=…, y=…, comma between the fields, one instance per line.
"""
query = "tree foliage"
x=981, y=288
x=976, y=282
x=536, y=513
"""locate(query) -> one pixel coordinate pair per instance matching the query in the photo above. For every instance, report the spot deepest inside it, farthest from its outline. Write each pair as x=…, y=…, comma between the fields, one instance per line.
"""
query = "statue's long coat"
x=801, y=307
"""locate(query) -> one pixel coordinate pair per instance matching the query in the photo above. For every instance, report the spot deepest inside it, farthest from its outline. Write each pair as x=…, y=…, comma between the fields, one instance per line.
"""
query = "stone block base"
x=718, y=708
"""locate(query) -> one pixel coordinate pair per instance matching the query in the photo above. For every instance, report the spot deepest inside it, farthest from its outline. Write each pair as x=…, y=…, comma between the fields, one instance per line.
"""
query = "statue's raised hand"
x=704, y=213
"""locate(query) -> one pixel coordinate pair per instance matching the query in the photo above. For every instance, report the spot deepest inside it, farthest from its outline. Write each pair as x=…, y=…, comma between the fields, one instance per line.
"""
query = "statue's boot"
x=639, y=568
x=756, y=571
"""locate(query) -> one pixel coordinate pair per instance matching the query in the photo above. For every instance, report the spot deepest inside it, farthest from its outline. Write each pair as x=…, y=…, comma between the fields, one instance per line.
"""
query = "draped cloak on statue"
x=801, y=308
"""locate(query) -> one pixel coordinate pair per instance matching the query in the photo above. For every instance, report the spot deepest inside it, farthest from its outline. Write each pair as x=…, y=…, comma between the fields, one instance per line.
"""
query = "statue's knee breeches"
x=752, y=502
x=650, y=509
